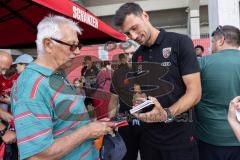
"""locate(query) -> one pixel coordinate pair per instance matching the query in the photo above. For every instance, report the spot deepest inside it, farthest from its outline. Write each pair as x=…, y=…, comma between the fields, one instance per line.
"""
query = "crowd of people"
x=196, y=98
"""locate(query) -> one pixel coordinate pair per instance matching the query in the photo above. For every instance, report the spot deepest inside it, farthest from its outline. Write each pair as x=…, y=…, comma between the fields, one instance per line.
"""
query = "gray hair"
x=48, y=27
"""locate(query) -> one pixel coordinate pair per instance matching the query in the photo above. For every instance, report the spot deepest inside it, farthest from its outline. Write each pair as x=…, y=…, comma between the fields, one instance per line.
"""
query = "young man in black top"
x=169, y=61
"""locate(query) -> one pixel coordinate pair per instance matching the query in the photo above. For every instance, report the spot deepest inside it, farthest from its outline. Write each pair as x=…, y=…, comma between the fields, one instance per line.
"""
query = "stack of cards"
x=142, y=106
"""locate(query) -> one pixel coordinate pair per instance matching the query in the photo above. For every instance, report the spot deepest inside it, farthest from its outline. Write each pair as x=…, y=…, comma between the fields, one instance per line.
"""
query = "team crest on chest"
x=166, y=52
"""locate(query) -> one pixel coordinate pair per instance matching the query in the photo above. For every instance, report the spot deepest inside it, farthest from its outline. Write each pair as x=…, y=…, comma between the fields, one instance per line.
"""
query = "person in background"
x=220, y=77
x=22, y=61
x=7, y=136
x=8, y=76
x=89, y=73
x=138, y=93
x=199, y=50
x=104, y=79
x=78, y=84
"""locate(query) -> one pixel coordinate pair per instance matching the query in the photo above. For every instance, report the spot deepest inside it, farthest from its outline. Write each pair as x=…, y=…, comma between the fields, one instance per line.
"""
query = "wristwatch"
x=170, y=117
x=2, y=132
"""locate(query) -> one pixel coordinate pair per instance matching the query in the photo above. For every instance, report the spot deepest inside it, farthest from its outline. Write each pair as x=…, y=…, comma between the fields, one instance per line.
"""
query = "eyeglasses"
x=73, y=47
x=219, y=29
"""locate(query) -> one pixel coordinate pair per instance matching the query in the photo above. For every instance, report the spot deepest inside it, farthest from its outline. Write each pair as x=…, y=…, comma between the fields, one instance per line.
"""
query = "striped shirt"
x=45, y=107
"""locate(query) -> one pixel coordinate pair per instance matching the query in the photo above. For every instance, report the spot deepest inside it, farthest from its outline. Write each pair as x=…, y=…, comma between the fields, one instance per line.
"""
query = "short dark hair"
x=124, y=10
x=231, y=34
x=122, y=56
x=199, y=46
x=89, y=58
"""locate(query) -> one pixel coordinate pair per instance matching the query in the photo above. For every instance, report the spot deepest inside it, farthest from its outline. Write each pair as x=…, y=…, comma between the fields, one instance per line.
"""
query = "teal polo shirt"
x=220, y=76
x=45, y=107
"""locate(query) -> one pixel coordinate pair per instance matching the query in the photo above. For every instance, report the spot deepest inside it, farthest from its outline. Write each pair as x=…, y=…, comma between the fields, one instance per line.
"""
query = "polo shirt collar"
x=43, y=70
x=160, y=37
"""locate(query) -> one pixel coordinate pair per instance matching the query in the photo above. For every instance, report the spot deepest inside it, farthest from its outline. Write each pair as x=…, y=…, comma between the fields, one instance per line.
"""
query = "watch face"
x=170, y=117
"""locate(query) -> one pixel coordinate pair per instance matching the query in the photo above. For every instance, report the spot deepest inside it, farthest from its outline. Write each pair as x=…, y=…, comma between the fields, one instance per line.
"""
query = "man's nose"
x=133, y=35
x=75, y=53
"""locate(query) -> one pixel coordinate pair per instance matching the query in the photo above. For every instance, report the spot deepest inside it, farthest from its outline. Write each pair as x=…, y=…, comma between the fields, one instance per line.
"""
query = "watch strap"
x=170, y=117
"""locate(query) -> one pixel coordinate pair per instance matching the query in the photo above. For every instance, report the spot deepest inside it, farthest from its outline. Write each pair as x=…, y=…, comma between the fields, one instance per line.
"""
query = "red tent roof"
x=19, y=18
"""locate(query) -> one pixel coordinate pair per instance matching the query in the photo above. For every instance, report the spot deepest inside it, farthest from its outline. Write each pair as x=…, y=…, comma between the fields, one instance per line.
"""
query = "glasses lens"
x=74, y=47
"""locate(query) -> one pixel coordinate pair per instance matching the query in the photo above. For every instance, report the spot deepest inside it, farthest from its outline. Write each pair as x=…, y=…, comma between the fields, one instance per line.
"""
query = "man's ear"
x=48, y=45
x=145, y=16
x=221, y=41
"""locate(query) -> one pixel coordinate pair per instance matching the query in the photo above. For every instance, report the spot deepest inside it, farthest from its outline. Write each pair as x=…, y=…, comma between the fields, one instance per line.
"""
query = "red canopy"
x=19, y=18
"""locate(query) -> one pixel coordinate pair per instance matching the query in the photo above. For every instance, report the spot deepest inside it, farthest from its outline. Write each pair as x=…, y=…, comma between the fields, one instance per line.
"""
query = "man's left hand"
x=157, y=114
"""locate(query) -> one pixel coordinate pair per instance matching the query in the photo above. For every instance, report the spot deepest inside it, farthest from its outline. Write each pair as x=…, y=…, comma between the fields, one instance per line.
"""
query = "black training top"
x=160, y=69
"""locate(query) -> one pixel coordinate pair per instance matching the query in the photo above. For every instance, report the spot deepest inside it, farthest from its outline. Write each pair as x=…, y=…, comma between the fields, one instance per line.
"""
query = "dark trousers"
x=153, y=153
x=132, y=137
x=212, y=152
x=135, y=141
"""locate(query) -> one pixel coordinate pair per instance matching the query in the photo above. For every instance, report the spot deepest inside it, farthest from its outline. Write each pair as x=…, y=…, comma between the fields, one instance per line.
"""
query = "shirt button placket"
x=150, y=55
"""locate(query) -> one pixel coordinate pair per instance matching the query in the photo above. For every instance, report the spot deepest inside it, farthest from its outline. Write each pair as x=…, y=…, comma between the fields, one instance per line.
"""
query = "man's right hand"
x=9, y=137
x=5, y=116
x=99, y=128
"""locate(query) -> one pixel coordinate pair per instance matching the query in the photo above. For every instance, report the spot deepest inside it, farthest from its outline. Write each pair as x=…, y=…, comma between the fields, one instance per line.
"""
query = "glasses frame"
x=72, y=48
x=219, y=29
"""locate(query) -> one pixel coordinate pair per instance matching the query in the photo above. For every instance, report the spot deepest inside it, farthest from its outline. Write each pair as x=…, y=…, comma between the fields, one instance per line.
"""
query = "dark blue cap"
x=113, y=147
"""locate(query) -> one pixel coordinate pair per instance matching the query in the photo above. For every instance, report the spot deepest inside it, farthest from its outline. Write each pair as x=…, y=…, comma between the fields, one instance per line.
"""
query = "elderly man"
x=51, y=122
x=6, y=135
x=6, y=61
x=220, y=74
x=5, y=64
